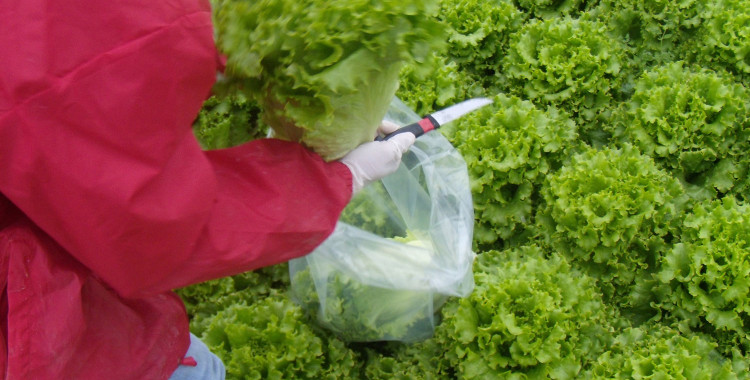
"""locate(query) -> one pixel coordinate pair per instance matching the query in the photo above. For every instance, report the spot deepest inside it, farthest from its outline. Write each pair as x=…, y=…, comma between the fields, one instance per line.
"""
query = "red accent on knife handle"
x=418, y=129
x=426, y=125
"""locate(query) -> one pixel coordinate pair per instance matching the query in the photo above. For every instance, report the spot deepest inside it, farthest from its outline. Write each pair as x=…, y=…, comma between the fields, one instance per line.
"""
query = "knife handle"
x=418, y=129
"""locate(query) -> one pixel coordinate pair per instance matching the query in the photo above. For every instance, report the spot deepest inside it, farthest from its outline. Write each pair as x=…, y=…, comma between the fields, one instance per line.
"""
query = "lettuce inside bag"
x=400, y=249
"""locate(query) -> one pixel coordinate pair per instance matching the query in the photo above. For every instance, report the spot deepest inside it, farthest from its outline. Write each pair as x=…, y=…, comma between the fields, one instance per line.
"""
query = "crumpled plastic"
x=400, y=249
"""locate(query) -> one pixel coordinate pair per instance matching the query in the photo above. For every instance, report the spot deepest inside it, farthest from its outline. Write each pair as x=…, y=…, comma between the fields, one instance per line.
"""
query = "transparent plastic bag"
x=401, y=247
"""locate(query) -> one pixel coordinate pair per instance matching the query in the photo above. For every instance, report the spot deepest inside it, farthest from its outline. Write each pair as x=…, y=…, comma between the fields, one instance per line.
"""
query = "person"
x=107, y=202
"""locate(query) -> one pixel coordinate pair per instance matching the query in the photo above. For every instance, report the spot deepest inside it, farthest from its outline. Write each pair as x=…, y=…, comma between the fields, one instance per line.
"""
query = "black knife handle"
x=418, y=129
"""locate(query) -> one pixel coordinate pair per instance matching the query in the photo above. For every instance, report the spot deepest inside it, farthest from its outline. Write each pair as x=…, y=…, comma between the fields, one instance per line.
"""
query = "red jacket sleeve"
x=96, y=103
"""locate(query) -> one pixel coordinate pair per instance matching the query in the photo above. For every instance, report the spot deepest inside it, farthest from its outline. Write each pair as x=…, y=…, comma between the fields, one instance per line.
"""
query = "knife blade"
x=436, y=119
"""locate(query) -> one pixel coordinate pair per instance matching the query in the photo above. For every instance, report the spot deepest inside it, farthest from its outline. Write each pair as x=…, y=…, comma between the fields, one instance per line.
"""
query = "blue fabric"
x=209, y=367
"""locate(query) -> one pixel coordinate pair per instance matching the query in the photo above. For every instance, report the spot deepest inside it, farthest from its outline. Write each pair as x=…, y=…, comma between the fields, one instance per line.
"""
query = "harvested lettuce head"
x=356, y=308
x=324, y=72
x=359, y=312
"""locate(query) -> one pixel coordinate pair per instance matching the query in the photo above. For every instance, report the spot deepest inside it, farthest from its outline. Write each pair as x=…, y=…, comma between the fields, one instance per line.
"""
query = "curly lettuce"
x=553, y=8
x=400, y=361
x=324, y=72
x=435, y=84
x=224, y=122
x=531, y=315
x=478, y=33
x=269, y=339
x=613, y=212
x=202, y=301
x=654, y=30
x=694, y=123
x=509, y=147
x=657, y=351
x=722, y=41
x=706, y=273
x=569, y=63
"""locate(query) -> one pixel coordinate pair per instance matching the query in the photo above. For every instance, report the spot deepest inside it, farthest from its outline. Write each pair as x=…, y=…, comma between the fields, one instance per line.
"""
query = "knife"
x=436, y=119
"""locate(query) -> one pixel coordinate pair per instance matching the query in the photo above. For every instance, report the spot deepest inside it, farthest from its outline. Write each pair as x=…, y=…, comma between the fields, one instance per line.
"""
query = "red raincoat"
x=107, y=201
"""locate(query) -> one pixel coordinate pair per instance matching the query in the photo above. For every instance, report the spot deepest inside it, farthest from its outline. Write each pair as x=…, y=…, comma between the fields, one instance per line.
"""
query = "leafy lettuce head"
x=437, y=83
x=612, y=211
x=657, y=351
x=707, y=272
x=529, y=315
x=693, y=122
x=723, y=38
x=656, y=23
x=509, y=147
x=570, y=63
x=324, y=71
x=269, y=339
x=478, y=34
x=553, y=8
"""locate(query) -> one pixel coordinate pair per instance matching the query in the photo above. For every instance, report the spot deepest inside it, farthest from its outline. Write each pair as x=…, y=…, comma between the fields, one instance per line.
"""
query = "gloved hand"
x=374, y=160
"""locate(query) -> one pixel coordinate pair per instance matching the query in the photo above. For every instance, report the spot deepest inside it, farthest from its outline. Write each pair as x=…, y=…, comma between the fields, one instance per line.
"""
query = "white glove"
x=374, y=160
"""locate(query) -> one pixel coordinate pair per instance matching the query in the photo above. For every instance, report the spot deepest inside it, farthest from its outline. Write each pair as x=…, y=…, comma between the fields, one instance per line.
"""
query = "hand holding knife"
x=436, y=119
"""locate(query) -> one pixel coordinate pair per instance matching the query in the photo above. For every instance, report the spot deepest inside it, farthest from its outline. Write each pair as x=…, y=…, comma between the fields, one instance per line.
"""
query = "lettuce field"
x=610, y=187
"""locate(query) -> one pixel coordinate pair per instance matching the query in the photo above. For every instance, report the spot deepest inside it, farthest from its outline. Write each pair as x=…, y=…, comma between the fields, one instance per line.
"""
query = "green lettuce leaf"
x=437, y=83
x=408, y=361
x=653, y=30
x=554, y=8
x=204, y=300
x=228, y=121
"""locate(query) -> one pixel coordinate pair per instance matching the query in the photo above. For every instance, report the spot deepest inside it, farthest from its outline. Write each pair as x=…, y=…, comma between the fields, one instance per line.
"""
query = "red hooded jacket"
x=107, y=202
